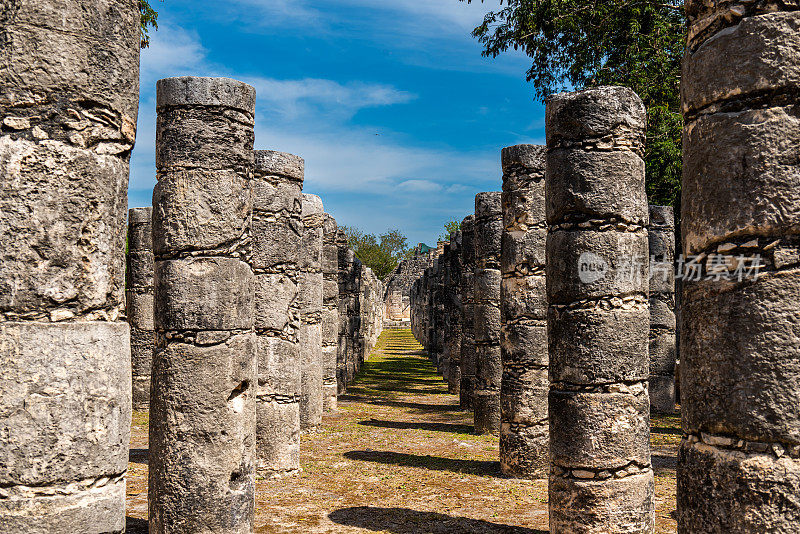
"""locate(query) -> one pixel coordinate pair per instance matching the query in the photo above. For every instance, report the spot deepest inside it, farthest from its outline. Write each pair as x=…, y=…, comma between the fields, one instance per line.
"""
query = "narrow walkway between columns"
x=400, y=457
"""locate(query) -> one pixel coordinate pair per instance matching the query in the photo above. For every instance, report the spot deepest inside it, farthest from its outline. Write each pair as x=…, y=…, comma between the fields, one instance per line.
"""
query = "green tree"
x=381, y=253
x=449, y=228
x=576, y=44
x=148, y=17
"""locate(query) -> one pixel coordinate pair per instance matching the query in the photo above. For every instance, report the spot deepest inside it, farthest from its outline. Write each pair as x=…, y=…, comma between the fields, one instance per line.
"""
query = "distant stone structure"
x=139, y=302
x=202, y=407
x=739, y=462
x=398, y=284
x=601, y=478
x=488, y=366
x=661, y=234
x=330, y=312
x=310, y=298
x=524, y=433
x=277, y=231
x=69, y=93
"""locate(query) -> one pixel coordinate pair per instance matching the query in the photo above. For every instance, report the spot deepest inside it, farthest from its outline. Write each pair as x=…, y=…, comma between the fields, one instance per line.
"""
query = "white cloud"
x=419, y=186
x=173, y=51
x=295, y=98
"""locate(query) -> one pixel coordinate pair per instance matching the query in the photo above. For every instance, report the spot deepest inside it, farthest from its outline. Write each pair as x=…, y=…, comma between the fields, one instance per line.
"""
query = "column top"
x=593, y=113
x=488, y=204
x=201, y=91
x=527, y=156
x=140, y=215
x=279, y=163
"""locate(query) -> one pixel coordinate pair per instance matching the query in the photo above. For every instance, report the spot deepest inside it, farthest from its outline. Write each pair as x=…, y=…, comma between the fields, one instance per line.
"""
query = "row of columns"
x=561, y=329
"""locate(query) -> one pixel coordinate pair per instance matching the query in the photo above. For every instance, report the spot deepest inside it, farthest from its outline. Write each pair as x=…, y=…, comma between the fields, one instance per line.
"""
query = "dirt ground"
x=399, y=457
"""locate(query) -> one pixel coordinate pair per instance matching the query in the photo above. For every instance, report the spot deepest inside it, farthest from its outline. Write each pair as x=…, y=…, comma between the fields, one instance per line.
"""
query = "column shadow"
x=433, y=463
x=135, y=525
x=406, y=521
x=139, y=456
x=434, y=427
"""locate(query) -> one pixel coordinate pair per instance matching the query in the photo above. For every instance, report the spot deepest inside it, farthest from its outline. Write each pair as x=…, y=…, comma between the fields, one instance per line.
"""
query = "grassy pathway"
x=399, y=457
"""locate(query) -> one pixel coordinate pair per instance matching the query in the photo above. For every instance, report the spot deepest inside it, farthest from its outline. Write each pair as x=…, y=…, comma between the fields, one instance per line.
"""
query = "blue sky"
x=399, y=118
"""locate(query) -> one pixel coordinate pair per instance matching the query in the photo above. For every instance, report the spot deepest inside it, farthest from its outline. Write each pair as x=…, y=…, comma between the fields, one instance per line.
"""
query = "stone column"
x=661, y=233
x=67, y=127
x=330, y=313
x=345, y=261
x=455, y=315
x=277, y=230
x=739, y=463
x=488, y=366
x=524, y=435
x=598, y=319
x=467, y=290
x=202, y=402
x=354, y=324
x=310, y=297
x=139, y=302
x=445, y=308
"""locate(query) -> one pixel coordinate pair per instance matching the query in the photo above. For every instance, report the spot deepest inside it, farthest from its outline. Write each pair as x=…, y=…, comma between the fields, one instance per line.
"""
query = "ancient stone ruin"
x=397, y=295
x=202, y=404
x=601, y=478
x=69, y=93
x=276, y=232
x=488, y=363
x=309, y=296
x=139, y=302
x=739, y=463
x=523, y=312
x=330, y=312
x=661, y=233
x=453, y=315
x=467, y=295
x=236, y=313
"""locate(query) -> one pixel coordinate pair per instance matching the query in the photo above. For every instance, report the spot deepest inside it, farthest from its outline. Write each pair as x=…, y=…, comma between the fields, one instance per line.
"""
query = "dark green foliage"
x=585, y=43
x=449, y=228
x=149, y=17
x=381, y=254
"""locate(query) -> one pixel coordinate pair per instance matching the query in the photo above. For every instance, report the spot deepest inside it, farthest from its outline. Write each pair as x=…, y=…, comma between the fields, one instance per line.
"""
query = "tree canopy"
x=574, y=44
x=381, y=253
x=449, y=228
x=148, y=17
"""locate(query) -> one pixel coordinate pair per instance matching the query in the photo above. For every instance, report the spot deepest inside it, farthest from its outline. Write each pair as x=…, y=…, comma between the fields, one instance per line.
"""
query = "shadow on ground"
x=666, y=430
x=424, y=408
x=139, y=456
x=434, y=463
x=135, y=526
x=433, y=427
x=405, y=521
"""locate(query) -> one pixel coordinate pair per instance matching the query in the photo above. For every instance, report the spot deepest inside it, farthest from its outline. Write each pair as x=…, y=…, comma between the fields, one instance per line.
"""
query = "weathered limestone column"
x=488, y=366
x=739, y=463
x=310, y=297
x=330, y=313
x=455, y=315
x=467, y=385
x=277, y=230
x=445, y=307
x=661, y=233
x=598, y=319
x=69, y=93
x=345, y=261
x=139, y=302
x=354, y=324
x=202, y=402
x=524, y=434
